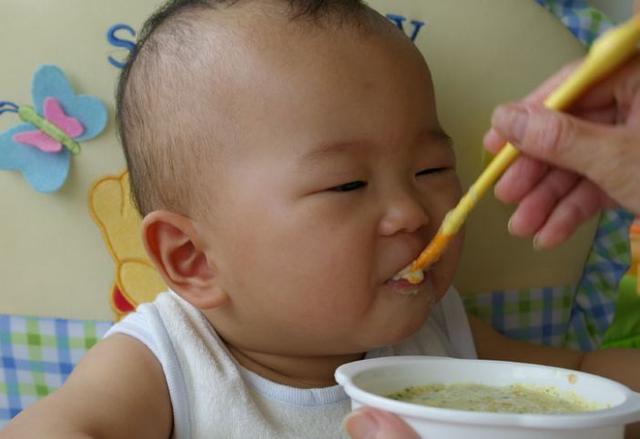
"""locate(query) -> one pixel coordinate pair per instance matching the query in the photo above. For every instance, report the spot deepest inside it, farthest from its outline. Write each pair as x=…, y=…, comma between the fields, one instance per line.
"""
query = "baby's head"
x=288, y=160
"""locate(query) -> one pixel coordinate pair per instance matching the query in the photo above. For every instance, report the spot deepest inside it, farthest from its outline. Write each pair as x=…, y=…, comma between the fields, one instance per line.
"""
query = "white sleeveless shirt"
x=212, y=396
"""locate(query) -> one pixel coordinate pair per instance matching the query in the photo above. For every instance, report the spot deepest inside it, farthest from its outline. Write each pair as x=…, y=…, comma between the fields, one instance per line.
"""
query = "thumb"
x=560, y=139
x=368, y=423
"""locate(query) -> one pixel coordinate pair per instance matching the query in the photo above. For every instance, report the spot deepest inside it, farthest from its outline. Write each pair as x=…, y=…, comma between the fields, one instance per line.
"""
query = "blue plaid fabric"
x=37, y=355
x=585, y=22
x=538, y=315
x=595, y=299
x=574, y=316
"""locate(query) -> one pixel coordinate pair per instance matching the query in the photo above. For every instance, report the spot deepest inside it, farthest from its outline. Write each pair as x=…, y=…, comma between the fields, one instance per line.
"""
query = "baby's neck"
x=301, y=372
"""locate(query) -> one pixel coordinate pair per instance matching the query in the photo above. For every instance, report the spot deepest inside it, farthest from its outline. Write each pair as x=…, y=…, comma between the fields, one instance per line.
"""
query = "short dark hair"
x=156, y=160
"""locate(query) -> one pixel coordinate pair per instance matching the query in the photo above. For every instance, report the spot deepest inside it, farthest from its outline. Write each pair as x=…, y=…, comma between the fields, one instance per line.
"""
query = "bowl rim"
x=628, y=411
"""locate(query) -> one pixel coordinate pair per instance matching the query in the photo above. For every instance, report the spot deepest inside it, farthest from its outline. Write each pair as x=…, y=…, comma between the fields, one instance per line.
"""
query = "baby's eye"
x=430, y=171
x=347, y=187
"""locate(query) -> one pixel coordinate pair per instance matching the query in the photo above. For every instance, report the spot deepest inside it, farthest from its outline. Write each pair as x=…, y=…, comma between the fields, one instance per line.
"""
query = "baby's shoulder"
x=127, y=384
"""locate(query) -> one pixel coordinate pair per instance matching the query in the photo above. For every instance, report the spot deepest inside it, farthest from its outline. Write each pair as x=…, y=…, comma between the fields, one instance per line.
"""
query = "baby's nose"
x=403, y=213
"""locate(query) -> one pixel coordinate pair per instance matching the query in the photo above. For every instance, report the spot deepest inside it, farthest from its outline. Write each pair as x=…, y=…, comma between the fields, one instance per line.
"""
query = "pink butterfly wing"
x=38, y=139
x=54, y=113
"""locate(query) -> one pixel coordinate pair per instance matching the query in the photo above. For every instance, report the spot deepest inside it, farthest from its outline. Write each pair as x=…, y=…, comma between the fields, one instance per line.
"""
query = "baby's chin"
x=405, y=325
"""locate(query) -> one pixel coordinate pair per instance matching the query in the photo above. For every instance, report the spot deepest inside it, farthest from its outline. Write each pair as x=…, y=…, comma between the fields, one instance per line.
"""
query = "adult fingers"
x=584, y=201
x=606, y=102
x=368, y=423
x=493, y=141
x=560, y=139
x=539, y=203
x=519, y=179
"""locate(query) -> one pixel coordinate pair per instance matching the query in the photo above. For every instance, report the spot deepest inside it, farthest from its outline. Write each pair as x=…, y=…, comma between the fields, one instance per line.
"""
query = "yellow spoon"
x=608, y=52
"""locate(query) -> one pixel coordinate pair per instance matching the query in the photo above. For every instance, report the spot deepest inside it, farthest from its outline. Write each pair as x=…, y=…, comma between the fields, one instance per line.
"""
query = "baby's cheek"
x=453, y=192
x=438, y=210
x=444, y=196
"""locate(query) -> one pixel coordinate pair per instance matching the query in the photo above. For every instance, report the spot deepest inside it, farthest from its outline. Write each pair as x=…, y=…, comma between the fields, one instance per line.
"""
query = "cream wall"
x=52, y=259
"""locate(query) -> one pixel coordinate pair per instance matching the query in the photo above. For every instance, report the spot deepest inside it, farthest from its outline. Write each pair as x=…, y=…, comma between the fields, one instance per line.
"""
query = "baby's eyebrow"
x=329, y=149
x=435, y=135
x=426, y=136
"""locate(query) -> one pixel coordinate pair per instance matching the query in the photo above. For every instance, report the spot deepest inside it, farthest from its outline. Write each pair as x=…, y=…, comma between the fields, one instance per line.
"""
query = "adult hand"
x=573, y=164
x=368, y=423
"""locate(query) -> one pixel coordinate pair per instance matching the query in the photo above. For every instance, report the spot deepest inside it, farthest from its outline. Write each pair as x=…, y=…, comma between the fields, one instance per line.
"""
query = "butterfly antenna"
x=6, y=106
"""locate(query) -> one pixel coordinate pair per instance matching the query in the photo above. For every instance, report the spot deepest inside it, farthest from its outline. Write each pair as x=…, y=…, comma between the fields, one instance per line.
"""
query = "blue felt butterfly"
x=41, y=147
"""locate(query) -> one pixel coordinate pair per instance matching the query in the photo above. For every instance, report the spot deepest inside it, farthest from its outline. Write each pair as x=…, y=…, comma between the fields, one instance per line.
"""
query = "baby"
x=288, y=161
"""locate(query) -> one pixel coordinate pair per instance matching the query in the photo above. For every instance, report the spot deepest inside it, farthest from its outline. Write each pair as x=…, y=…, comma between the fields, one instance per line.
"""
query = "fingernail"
x=512, y=121
x=361, y=425
x=536, y=243
x=492, y=139
x=509, y=225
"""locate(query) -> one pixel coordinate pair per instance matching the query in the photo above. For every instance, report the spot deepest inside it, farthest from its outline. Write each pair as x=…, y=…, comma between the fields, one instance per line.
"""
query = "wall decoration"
x=136, y=281
x=41, y=147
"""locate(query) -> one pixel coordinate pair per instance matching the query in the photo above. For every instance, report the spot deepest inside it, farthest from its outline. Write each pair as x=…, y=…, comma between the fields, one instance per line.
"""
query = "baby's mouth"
x=413, y=277
x=404, y=287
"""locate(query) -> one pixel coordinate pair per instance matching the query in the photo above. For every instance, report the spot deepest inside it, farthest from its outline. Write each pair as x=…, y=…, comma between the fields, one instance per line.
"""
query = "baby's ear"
x=174, y=247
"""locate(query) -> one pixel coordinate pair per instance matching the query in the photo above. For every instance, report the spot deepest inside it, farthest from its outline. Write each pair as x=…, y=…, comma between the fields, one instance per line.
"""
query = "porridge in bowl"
x=593, y=408
x=514, y=398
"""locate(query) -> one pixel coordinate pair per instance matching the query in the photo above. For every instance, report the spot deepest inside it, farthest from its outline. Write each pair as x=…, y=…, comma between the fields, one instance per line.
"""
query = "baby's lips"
x=408, y=274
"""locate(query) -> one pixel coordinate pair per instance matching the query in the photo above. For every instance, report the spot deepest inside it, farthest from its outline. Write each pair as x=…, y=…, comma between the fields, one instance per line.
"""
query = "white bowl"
x=367, y=381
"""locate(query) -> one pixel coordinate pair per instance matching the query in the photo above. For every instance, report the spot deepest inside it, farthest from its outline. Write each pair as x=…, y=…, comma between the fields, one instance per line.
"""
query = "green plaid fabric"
x=38, y=354
x=573, y=315
x=624, y=331
x=585, y=22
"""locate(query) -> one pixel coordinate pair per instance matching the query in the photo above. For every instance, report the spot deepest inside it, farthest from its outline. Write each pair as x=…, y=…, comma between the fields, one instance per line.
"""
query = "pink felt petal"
x=38, y=139
x=54, y=113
